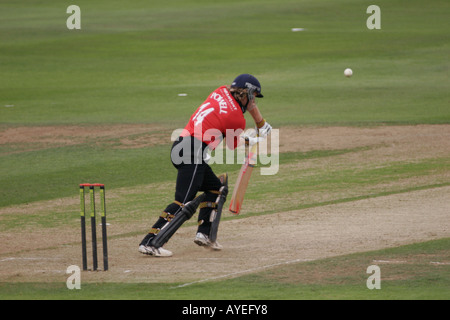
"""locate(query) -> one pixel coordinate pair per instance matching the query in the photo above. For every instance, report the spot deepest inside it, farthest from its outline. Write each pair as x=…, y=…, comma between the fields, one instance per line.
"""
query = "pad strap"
x=208, y=204
x=167, y=216
x=155, y=230
x=179, y=203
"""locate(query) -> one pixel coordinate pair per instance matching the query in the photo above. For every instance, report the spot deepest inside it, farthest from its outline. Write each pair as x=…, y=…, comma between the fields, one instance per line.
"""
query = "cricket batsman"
x=220, y=114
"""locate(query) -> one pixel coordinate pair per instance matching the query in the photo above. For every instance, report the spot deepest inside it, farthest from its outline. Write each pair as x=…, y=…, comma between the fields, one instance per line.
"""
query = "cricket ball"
x=348, y=72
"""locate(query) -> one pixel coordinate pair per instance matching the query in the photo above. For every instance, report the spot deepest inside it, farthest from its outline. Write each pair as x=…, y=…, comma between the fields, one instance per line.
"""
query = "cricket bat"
x=242, y=181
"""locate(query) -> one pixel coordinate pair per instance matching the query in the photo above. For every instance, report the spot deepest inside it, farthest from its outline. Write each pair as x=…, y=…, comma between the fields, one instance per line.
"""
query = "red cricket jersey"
x=218, y=116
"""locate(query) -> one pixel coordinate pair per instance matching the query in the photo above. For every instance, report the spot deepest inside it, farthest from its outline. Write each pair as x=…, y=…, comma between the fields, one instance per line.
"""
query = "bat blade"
x=242, y=181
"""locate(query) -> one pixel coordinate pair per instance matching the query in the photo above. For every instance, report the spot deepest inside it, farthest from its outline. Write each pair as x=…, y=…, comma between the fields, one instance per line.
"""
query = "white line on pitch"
x=233, y=274
x=17, y=258
x=388, y=261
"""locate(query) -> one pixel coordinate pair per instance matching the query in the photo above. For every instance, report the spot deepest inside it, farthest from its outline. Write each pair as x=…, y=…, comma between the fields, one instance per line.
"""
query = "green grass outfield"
x=130, y=61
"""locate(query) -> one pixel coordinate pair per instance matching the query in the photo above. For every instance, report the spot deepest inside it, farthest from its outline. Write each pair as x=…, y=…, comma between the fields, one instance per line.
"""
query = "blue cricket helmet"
x=247, y=81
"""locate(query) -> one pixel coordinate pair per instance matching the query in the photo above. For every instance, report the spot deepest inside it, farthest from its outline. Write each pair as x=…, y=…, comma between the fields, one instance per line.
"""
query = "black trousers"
x=194, y=175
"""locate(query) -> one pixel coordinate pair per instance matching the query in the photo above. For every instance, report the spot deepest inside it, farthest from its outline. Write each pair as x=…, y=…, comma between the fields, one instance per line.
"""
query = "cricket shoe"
x=202, y=240
x=156, y=252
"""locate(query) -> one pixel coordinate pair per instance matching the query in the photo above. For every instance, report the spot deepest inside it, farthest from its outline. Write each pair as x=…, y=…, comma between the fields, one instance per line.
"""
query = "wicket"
x=91, y=187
